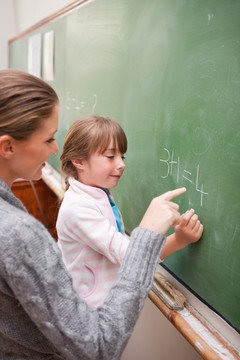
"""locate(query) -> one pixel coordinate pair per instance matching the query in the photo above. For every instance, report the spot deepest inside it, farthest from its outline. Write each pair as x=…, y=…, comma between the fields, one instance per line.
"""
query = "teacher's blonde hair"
x=25, y=101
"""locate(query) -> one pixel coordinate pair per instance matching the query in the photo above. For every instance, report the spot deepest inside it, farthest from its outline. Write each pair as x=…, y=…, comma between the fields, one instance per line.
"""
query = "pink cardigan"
x=88, y=237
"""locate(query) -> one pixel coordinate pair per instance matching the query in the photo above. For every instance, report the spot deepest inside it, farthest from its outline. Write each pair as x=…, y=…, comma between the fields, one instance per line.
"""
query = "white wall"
x=29, y=12
x=154, y=337
x=7, y=29
x=18, y=15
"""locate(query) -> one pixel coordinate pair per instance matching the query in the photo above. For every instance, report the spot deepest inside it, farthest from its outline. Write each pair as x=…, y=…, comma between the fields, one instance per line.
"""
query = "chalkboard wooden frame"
x=57, y=15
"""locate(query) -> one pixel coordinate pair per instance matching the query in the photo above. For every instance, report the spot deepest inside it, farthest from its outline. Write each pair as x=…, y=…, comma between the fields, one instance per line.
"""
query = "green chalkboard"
x=169, y=72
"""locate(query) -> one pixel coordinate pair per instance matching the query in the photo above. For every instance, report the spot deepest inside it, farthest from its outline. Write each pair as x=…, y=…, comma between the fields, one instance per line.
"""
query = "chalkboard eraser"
x=172, y=297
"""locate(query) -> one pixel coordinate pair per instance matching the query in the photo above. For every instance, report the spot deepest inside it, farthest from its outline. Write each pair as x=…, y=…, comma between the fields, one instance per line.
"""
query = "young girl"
x=90, y=229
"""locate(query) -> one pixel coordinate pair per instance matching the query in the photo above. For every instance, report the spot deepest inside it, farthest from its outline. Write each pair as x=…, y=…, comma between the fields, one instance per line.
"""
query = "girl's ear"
x=6, y=146
x=79, y=163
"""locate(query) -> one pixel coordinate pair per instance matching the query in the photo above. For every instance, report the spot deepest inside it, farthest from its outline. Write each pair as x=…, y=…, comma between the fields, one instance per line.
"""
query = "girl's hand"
x=162, y=213
x=189, y=230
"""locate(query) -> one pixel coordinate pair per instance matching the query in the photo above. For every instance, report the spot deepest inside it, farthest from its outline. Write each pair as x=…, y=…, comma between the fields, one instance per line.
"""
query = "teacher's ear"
x=6, y=146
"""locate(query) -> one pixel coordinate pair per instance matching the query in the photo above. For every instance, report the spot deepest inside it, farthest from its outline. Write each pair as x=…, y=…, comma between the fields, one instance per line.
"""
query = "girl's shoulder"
x=79, y=193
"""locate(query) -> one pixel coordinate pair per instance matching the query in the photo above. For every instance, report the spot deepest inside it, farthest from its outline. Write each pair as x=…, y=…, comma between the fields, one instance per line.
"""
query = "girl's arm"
x=188, y=231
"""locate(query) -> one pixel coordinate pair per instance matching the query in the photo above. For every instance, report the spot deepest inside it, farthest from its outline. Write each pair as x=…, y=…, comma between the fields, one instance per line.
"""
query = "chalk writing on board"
x=193, y=178
x=95, y=103
x=75, y=102
x=210, y=16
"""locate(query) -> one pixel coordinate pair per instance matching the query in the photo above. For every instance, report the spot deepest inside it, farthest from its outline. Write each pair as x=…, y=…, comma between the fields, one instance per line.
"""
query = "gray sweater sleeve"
x=38, y=278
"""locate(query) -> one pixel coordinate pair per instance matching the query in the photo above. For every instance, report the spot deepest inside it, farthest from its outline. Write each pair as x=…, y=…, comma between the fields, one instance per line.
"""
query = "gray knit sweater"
x=41, y=316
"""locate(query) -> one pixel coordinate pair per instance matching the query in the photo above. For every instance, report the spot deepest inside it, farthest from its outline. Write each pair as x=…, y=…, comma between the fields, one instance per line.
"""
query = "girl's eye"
x=112, y=157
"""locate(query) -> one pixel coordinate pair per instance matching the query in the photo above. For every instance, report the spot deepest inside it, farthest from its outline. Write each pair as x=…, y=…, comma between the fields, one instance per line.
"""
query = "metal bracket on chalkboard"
x=173, y=298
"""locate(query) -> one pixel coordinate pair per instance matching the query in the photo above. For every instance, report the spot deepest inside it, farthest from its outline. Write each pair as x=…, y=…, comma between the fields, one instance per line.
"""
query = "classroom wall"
x=155, y=337
x=7, y=29
x=18, y=15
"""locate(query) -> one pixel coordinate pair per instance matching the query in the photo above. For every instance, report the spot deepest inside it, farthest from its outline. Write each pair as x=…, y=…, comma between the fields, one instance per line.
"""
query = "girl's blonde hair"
x=88, y=136
x=25, y=101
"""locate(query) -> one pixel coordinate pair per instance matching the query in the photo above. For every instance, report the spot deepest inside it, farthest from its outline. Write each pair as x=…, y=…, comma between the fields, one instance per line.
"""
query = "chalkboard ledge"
x=210, y=342
x=53, y=180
